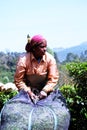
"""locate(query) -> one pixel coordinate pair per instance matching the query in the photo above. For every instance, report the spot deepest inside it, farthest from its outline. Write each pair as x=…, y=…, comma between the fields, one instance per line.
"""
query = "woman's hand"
x=32, y=95
x=42, y=94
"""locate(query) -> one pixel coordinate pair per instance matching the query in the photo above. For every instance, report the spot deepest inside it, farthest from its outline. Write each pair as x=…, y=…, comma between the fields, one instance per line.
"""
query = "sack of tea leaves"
x=20, y=113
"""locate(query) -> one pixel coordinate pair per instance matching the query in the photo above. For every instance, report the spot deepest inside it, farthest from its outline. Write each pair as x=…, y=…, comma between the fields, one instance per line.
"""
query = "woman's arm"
x=20, y=73
x=19, y=78
x=53, y=76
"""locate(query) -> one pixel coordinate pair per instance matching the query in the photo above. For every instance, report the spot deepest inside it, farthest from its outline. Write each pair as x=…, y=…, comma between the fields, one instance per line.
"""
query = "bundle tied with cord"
x=47, y=114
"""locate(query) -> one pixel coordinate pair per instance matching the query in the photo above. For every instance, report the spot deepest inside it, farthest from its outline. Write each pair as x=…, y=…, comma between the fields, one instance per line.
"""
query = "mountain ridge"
x=62, y=52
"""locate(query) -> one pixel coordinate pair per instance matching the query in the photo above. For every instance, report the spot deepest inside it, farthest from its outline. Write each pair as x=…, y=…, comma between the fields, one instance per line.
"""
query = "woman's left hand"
x=42, y=94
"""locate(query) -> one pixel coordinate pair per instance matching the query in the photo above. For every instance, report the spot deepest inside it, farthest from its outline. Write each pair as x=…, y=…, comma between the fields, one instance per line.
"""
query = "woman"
x=37, y=69
x=36, y=77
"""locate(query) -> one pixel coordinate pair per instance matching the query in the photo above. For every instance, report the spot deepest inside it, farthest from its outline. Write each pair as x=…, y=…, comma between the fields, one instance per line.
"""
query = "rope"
x=29, y=121
x=54, y=115
x=55, y=119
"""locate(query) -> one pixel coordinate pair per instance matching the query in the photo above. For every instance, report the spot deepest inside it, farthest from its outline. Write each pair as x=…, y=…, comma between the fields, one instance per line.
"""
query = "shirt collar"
x=33, y=58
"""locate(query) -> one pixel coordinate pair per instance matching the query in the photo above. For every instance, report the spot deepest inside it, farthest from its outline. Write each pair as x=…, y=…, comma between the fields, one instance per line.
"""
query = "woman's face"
x=39, y=50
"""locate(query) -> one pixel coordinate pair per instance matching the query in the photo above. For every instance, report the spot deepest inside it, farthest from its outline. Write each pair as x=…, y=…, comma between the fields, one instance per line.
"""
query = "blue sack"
x=20, y=113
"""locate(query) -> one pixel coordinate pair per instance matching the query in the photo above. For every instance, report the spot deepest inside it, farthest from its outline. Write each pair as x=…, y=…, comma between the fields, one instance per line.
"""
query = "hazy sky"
x=62, y=22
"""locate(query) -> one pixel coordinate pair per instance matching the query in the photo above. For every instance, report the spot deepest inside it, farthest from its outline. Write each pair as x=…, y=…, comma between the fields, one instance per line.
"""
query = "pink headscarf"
x=35, y=41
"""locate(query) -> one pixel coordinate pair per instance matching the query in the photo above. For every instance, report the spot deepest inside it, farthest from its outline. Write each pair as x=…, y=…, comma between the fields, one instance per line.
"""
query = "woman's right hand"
x=32, y=95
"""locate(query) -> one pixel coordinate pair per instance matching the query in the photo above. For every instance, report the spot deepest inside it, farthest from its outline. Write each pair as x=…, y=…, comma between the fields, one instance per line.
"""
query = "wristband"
x=44, y=90
x=43, y=93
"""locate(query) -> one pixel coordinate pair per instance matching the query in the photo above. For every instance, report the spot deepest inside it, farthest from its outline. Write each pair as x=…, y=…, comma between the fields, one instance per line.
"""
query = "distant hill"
x=62, y=53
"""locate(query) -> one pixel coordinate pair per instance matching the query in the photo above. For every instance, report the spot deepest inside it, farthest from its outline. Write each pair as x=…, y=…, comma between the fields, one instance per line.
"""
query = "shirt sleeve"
x=19, y=74
x=53, y=76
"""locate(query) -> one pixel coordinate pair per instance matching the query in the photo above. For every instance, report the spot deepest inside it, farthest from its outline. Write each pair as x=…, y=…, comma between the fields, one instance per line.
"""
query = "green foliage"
x=79, y=73
x=77, y=70
x=76, y=95
x=69, y=92
x=76, y=106
x=8, y=66
x=6, y=76
x=5, y=96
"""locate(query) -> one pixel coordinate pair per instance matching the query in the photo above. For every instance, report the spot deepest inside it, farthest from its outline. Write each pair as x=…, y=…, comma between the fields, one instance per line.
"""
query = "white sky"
x=62, y=22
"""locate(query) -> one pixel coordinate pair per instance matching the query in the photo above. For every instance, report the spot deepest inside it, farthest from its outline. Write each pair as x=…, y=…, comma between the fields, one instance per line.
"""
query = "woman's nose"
x=45, y=48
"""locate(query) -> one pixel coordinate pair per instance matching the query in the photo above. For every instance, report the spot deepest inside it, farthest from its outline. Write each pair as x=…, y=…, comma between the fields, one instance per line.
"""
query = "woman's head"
x=37, y=45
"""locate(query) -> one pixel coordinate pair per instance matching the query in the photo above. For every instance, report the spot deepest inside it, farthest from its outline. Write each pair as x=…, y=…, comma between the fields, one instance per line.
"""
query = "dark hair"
x=28, y=47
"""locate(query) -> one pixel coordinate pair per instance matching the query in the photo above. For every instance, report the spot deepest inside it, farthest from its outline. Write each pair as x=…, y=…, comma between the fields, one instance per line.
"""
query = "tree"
x=72, y=57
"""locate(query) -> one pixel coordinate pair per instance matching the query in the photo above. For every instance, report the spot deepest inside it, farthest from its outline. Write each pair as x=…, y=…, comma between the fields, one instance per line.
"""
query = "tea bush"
x=76, y=95
x=5, y=96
